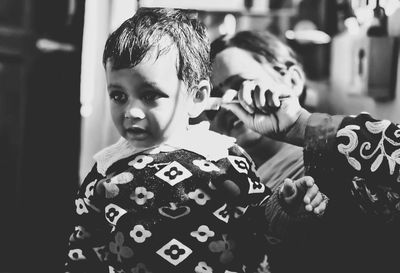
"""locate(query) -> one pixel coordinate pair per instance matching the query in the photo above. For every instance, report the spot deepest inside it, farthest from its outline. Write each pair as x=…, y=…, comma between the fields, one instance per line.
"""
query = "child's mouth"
x=137, y=133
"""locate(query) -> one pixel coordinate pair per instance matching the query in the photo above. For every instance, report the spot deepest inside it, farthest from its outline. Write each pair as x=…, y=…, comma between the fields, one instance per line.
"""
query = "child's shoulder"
x=110, y=155
x=201, y=140
x=198, y=139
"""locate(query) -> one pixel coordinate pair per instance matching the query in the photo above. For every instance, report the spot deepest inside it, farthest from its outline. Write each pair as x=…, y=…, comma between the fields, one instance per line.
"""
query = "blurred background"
x=53, y=103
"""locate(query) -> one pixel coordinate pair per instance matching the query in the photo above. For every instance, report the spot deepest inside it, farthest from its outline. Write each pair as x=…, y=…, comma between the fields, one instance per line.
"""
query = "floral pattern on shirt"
x=165, y=212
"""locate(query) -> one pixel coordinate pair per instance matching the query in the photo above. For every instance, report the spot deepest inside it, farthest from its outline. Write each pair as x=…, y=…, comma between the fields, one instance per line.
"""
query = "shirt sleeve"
x=241, y=181
x=86, y=250
x=364, y=151
x=265, y=210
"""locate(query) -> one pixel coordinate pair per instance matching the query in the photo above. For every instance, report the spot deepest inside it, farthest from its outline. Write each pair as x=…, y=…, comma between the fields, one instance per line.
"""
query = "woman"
x=354, y=160
x=252, y=55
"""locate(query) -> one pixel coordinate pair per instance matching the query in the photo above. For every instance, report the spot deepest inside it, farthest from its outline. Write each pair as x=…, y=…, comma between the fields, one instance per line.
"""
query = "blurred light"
x=86, y=110
x=48, y=45
x=312, y=36
x=120, y=11
x=206, y=5
x=391, y=7
x=352, y=25
x=89, y=56
x=364, y=14
x=230, y=24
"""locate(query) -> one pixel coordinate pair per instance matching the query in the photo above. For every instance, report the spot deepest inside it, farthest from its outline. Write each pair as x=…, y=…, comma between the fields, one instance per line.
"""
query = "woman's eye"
x=118, y=97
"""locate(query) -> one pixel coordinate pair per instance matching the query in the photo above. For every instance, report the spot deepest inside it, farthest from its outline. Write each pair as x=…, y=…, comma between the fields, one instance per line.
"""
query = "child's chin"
x=141, y=143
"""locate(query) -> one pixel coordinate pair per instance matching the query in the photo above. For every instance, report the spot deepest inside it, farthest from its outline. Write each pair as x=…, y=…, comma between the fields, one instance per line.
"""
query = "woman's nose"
x=134, y=112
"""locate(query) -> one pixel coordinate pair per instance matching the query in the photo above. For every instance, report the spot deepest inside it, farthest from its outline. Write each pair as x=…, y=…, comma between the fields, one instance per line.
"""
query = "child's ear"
x=297, y=79
x=200, y=96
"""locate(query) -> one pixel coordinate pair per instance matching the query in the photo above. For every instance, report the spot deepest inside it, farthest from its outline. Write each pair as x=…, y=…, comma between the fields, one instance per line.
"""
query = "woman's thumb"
x=238, y=111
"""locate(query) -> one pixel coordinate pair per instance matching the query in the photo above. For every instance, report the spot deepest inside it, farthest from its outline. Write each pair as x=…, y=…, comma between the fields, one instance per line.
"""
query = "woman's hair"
x=277, y=53
x=128, y=44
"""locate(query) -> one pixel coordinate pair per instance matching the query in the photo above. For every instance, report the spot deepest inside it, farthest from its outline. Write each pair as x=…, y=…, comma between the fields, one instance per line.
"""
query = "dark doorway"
x=40, y=62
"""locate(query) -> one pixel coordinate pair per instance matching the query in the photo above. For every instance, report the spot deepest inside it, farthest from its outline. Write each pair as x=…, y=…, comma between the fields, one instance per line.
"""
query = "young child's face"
x=149, y=104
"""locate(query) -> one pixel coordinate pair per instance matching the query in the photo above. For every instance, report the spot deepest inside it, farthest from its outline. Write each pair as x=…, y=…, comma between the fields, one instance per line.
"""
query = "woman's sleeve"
x=364, y=152
x=86, y=250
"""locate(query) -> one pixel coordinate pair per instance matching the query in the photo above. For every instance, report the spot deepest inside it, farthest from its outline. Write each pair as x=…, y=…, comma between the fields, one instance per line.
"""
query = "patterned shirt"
x=172, y=211
x=363, y=150
x=355, y=161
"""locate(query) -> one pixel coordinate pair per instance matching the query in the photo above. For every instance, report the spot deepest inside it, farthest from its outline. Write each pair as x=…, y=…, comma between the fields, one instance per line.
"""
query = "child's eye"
x=151, y=96
x=118, y=97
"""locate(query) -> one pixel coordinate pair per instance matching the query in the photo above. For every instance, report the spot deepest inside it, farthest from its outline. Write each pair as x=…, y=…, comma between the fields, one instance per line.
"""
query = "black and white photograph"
x=200, y=136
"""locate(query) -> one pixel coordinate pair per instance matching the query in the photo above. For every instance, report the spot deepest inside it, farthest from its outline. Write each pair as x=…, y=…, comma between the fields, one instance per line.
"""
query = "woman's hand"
x=269, y=107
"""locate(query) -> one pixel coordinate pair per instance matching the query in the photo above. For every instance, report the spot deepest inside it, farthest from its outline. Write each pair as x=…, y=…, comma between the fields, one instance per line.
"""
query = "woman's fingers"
x=260, y=99
x=241, y=113
x=265, y=100
x=246, y=94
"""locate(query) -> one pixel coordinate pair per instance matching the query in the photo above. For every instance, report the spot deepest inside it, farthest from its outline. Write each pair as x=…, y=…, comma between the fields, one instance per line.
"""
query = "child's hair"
x=129, y=44
x=264, y=43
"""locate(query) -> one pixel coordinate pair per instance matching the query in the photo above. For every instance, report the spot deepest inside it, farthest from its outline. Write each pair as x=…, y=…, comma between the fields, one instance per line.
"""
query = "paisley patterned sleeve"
x=86, y=248
x=364, y=151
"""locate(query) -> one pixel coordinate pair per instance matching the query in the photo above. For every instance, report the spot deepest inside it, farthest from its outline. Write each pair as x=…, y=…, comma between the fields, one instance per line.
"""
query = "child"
x=169, y=197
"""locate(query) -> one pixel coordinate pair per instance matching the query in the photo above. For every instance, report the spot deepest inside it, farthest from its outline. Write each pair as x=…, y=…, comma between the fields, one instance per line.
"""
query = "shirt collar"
x=197, y=138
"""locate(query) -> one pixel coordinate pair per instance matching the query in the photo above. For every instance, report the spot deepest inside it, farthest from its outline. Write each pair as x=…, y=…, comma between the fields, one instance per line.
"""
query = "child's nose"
x=135, y=113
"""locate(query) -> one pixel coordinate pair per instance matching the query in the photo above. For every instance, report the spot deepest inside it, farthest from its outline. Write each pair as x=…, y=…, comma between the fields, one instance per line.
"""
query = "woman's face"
x=230, y=67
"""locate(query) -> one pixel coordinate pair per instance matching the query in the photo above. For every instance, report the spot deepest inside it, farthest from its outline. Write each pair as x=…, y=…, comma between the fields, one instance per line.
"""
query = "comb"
x=214, y=103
